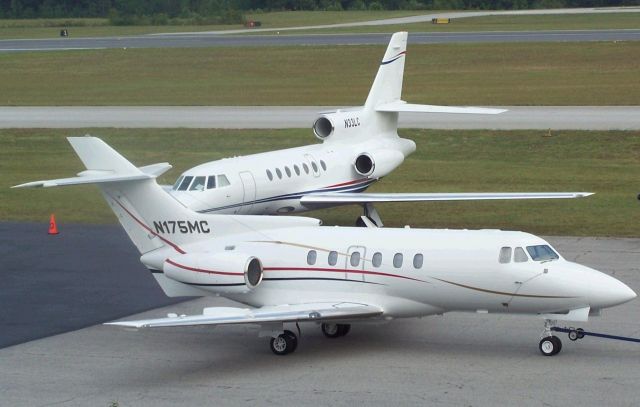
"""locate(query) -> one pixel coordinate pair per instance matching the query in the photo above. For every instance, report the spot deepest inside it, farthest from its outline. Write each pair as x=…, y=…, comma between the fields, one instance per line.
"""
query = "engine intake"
x=364, y=164
x=377, y=164
x=227, y=272
x=323, y=128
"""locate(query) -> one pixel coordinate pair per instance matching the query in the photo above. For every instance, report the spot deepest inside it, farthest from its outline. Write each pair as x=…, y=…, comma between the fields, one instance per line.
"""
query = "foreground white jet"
x=359, y=146
x=291, y=269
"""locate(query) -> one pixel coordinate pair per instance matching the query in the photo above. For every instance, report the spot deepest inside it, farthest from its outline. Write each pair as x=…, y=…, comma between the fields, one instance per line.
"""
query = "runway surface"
x=83, y=276
x=198, y=40
x=456, y=359
x=261, y=117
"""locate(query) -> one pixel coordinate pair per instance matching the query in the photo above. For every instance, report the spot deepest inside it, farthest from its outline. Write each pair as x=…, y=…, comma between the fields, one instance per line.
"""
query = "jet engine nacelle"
x=336, y=124
x=227, y=272
x=377, y=164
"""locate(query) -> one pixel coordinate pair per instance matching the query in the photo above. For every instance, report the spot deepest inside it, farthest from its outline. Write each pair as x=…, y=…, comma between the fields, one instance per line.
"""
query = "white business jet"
x=359, y=146
x=291, y=269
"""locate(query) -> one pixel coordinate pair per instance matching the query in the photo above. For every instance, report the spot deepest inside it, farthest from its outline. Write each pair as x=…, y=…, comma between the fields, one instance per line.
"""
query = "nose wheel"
x=549, y=345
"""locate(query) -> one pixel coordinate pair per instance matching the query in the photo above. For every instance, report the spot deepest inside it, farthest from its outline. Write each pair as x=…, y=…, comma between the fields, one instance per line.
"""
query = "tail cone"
x=53, y=229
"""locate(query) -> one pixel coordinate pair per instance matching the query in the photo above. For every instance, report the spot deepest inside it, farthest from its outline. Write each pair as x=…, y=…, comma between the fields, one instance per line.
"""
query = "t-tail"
x=150, y=216
x=379, y=115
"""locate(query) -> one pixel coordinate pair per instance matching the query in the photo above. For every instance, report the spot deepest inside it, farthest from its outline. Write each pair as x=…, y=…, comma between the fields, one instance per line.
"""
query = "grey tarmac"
x=199, y=40
x=455, y=359
x=261, y=117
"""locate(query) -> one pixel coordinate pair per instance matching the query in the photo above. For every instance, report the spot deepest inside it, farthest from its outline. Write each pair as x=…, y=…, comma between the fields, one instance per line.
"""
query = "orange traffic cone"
x=53, y=229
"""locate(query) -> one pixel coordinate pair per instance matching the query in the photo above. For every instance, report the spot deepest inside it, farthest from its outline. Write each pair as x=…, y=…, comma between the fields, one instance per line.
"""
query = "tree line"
x=160, y=12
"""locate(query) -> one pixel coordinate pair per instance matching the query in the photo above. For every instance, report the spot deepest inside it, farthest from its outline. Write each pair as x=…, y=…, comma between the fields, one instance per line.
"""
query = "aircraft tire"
x=331, y=330
x=550, y=345
x=335, y=330
x=344, y=329
x=284, y=343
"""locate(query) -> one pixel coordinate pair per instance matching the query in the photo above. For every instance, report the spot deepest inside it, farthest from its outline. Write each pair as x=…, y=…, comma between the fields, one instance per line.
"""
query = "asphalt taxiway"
x=455, y=359
x=266, y=117
x=198, y=40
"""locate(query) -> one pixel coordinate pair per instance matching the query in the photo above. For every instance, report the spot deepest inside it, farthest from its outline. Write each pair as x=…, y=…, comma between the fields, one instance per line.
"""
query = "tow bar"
x=579, y=333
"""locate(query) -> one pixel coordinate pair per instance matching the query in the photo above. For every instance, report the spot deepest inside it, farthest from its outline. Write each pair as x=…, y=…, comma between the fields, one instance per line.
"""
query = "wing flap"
x=269, y=314
x=356, y=198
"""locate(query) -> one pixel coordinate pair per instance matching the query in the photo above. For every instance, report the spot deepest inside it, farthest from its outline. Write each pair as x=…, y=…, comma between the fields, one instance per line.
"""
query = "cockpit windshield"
x=201, y=183
x=542, y=252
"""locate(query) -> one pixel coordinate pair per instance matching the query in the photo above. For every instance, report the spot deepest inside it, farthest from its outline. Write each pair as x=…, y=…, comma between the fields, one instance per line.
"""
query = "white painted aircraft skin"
x=359, y=146
x=284, y=268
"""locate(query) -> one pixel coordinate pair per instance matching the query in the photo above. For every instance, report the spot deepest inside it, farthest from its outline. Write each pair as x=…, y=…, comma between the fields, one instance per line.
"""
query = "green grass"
x=607, y=163
x=50, y=28
x=508, y=23
x=465, y=74
x=99, y=27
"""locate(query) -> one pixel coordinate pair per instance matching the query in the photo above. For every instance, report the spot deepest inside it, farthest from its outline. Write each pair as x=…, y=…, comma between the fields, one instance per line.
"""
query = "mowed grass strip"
x=604, y=21
x=607, y=163
x=457, y=74
x=99, y=27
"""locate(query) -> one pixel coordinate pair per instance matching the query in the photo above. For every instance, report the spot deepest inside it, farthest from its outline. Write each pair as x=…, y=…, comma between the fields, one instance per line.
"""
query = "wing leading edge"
x=268, y=314
x=362, y=198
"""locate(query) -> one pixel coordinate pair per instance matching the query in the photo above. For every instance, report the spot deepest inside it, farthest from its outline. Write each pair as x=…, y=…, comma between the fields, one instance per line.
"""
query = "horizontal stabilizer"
x=104, y=165
x=400, y=106
x=360, y=198
x=280, y=313
x=93, y=178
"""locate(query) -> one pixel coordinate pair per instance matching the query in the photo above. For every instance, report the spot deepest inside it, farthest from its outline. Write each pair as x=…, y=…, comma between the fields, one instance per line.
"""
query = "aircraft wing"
x=401, y=106
x=362, y=198
x=268, y=314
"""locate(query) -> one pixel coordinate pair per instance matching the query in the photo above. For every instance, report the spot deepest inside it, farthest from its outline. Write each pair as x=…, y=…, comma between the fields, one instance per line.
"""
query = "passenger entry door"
x=354, y=270
x=249, y=191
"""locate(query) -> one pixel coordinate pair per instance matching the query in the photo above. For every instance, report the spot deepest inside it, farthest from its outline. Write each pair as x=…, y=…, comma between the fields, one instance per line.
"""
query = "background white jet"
x=291, y=269
x=359, y=146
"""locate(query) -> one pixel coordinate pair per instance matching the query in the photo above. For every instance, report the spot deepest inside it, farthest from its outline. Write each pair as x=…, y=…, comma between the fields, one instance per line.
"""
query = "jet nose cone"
x=611, y=292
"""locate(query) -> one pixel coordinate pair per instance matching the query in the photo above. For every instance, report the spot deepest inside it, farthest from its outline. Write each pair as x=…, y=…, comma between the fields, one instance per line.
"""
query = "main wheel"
x=284, y=343
x=331, y=330
x=343, y=329
x=550, y=345
x=335, y=330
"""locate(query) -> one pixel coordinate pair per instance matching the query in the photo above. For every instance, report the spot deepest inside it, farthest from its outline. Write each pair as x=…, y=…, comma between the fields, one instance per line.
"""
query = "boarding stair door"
x=354, y=263
x=249, y=187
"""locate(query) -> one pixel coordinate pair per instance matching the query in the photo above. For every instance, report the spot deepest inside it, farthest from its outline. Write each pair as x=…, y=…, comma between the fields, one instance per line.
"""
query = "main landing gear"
x=549, y=345
x=370, y=217
x=287, y=341
x=335, y=330
x=284, y=343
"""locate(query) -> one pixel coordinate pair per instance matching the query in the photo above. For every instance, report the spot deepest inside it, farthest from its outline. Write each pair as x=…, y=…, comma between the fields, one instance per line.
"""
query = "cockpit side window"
x=211, y=182
x=223, y=181
x=177, y=184
x=505, y=255
x=542, y=252
x=198, y=184
x=519, y=256
x=185, y=184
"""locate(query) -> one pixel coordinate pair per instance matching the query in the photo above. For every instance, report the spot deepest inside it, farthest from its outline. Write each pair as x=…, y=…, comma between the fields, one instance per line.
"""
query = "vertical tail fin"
x=387, y=86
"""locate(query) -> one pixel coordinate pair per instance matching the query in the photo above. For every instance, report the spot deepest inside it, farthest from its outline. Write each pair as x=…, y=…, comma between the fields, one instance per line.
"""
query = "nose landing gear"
x=549, y=345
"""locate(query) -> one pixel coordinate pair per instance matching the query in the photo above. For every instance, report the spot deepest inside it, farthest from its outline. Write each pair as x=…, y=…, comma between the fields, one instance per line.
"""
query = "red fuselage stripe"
x=347, y=183
x=175, y=246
